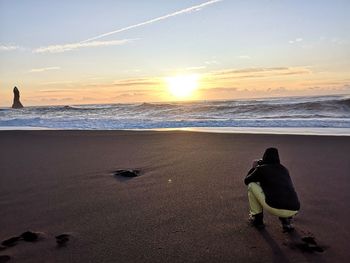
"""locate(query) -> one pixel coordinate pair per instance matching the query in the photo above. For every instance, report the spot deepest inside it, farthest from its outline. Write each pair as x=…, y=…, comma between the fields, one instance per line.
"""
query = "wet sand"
x=188, y=205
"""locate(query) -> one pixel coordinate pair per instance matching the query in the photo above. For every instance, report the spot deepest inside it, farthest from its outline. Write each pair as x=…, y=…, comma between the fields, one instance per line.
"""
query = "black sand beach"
x=188, y=205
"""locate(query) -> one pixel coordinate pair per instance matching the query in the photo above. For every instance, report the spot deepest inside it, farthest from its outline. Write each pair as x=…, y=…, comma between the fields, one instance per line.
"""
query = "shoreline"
x=229, y=130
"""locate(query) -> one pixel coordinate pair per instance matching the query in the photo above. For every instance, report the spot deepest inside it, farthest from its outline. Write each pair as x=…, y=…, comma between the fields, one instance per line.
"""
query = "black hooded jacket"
x=276, y=183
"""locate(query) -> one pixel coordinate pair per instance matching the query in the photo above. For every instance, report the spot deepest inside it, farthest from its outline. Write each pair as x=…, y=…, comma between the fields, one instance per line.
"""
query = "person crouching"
x=270, y=188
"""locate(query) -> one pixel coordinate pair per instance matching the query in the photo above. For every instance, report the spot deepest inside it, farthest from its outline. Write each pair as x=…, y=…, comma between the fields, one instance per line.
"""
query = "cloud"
x=44, y=69
x=339, y=88
x=220, y=89
x=244, y=57
x=151, y=21
x=130, y=94
x=259, y=72
x=195, y=68
x=37, y=99
x=123, y=85
x=74, y=46
x=135, y=82
x=56, y=82
x=57, y=90
x=278, y=90
x=8, y=47
x=249, y=70
x=210, y=62
x=299, y=39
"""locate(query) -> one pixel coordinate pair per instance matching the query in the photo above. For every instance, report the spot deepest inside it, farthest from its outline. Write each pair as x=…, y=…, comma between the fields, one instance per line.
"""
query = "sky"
x=84, y=52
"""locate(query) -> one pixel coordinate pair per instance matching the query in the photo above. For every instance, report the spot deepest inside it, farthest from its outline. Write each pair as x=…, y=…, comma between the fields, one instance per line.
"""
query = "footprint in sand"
x=310, y=245
x=27, y=236
x=12, y=241
x=62, y=239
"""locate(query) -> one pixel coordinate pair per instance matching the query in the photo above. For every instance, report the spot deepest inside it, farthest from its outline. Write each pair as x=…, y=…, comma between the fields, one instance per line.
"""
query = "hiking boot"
x=286, y=224
x=257, y=220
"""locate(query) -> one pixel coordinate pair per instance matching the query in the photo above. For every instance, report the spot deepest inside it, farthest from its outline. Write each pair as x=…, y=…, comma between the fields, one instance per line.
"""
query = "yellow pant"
x=257, y=203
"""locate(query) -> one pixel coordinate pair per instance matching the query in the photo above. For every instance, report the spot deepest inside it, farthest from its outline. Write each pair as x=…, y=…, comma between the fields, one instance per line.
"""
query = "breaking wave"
x=326, y=111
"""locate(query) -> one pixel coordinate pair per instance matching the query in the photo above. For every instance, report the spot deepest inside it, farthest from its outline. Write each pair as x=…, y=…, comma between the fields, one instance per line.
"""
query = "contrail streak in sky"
x=180, y=12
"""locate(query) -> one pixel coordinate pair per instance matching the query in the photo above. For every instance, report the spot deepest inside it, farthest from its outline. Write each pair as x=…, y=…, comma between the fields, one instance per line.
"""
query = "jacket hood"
x=271, y=156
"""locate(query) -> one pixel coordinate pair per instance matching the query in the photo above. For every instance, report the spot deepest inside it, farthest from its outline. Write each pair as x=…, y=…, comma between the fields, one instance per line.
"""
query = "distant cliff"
x=16, y=102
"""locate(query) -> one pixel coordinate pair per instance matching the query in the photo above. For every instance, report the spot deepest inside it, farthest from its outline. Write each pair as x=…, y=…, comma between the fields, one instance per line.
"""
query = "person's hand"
x=255, y=163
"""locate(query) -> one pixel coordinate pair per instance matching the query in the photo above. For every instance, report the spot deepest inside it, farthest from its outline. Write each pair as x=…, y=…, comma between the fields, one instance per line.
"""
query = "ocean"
x=314, y=113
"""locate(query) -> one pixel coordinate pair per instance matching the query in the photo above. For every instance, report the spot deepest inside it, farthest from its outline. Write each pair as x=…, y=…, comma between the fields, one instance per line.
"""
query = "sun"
x=182, y=86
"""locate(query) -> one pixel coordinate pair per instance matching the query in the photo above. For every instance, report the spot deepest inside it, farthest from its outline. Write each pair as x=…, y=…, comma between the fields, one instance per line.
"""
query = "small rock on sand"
x=127, y=173
x=29, y=236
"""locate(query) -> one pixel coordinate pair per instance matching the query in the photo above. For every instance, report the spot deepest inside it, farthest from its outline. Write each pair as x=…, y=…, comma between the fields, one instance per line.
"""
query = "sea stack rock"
x=16, y=102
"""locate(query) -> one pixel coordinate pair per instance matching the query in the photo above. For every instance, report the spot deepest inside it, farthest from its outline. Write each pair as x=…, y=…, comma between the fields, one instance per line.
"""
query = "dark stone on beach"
x=127, y=173
x=4, y=258
x=62, y=239
x=16, y=102
x=10, y=242
x=29, y=236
